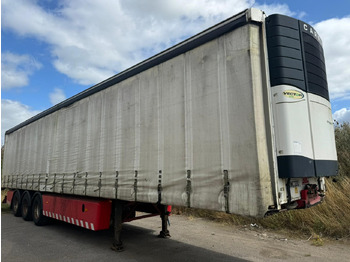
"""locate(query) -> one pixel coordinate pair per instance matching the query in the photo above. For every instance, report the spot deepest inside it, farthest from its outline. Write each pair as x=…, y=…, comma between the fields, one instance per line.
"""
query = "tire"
x=16, y=204
x=26, y=206
x=37, y=211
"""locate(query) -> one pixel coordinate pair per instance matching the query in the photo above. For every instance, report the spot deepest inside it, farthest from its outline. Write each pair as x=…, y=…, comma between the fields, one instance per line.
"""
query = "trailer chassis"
x=90, y=213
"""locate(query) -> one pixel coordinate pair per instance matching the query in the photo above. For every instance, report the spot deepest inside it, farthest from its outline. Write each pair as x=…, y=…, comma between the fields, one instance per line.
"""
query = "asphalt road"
x=23, y=241
x=192, y=240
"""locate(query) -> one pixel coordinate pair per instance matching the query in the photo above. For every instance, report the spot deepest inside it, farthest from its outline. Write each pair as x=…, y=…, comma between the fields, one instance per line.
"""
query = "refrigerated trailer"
x=236, y=118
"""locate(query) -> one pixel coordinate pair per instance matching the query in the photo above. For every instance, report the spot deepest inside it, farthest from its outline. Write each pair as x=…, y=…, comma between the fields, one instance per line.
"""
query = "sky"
x=52, y=50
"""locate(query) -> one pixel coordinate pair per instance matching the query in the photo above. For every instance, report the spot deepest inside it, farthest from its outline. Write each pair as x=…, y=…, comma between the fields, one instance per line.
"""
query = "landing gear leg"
x=164, y=216
x=117, y=243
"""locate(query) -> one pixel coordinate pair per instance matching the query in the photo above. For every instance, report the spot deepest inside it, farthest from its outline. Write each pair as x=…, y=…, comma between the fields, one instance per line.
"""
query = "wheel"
x=26, y=206
x=37, y=211
x=16, y=204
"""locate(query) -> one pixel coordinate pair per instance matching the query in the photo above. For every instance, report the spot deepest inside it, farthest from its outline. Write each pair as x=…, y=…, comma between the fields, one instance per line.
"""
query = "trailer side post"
x=118, y=220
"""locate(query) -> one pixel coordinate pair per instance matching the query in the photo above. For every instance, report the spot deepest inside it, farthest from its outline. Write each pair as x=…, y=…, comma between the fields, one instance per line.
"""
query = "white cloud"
x=276, y=9
x=13, y=113
x=342, y=115
x=336, y=43
x=91, y=40
x=15, y=69
x=57, y=96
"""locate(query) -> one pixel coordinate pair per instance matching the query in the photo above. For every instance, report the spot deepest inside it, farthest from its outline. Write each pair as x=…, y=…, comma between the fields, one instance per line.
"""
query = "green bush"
x=342, y=138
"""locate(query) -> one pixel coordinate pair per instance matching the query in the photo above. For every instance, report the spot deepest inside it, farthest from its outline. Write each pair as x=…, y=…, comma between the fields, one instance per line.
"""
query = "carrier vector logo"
x=293, y=94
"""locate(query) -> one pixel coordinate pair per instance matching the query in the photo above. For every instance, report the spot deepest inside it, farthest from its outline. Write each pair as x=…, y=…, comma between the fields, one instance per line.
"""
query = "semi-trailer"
x=236, y=118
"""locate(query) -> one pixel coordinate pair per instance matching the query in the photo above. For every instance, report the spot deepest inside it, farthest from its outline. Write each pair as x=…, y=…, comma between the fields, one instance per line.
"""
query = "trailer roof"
x=207, y=35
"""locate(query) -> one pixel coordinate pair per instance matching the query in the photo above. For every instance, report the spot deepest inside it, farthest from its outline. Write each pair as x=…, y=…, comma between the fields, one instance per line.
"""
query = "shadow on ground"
x=64, y=242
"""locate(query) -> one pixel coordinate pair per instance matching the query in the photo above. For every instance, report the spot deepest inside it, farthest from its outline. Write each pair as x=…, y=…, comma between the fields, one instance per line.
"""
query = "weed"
x=317, y=241
x=5, y=208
